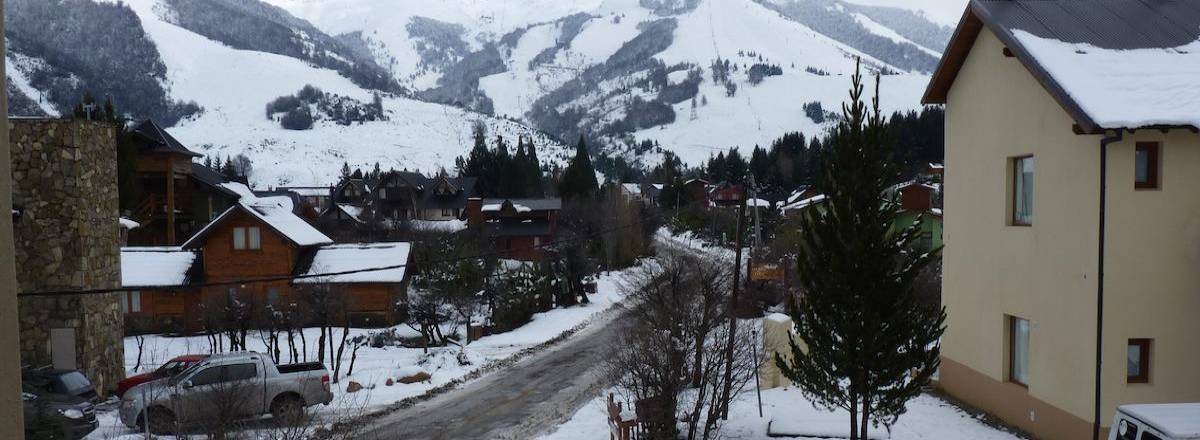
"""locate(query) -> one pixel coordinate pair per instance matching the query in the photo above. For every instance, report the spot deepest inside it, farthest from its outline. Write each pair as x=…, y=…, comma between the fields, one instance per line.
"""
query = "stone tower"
x=66, y=238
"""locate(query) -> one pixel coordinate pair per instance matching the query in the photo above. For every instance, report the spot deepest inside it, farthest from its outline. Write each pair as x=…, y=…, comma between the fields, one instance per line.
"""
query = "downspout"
x=1104, y=142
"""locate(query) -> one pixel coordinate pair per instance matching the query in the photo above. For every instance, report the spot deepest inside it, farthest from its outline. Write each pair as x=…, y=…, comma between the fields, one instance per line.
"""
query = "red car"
x=171, y=368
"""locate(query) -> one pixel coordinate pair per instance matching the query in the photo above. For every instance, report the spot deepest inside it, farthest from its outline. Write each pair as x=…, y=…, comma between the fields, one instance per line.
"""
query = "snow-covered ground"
x=928, y=418
x=375, y=366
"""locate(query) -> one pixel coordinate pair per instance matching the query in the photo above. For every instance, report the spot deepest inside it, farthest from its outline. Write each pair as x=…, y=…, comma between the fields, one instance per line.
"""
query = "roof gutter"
x=1117, y=136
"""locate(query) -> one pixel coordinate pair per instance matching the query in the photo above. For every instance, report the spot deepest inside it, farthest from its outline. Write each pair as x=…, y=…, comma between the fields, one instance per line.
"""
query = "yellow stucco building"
x=1053, y=106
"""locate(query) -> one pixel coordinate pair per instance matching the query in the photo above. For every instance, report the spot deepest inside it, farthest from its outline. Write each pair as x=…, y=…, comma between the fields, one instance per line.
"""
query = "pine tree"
x=533, y=171
x=344, y=175
x=579, y=180
x=871, y=342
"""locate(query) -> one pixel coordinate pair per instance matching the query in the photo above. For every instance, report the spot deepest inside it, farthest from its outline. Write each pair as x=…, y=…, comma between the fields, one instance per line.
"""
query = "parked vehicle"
x=171, y=368
x=53, y=416
x=56, y=381
x=243, y=385
x=1167, y=421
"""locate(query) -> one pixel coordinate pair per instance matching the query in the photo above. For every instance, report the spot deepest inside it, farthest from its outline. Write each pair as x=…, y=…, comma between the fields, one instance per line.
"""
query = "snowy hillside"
x=234, y=86
x=696, y=76
x=598, y=67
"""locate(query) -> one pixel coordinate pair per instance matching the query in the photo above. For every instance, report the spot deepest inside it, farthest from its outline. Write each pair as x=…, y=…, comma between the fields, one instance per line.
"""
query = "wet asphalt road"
x=518, y=402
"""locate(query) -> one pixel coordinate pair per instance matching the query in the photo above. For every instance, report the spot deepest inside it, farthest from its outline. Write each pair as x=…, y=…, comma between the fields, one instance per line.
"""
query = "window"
x=224, y=373
x=447, y=212
x=1018, y=352
x=272, y=296
x=255, y=237
x=1138, y=361
x=1022, y=194
x=1146, y=165
x=239, y=238
x=925, y=242
x=135, y=301
x=383, y=193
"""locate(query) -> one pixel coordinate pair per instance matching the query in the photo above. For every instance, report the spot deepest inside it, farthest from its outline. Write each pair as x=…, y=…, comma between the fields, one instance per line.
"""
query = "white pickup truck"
x=1166, y=421
x=233, y=385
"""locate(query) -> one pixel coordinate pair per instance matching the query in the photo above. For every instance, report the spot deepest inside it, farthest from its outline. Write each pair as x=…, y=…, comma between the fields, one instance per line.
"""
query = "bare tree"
x=669, y=363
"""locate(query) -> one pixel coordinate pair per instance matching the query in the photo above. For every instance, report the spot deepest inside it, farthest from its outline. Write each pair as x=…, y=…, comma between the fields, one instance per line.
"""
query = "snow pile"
x=927, y=418
x=351, y=257
x=155, y=266
x=129, y=224
x=1124, y=88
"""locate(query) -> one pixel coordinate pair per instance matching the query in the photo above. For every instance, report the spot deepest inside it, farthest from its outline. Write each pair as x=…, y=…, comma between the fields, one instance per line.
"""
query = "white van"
x=1167, y=421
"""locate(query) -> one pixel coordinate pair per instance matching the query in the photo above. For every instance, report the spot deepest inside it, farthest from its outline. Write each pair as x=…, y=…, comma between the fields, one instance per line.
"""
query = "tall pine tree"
x=579, y=179
x=870, y=342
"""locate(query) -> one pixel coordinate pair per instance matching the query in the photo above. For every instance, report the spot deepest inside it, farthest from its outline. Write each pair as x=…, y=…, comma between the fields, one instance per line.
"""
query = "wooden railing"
x=145, y=211
x=622, y=425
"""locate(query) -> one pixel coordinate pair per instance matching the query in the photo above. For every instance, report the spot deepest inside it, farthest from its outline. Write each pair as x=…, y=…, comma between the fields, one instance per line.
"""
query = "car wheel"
x=162, y=421
x=287, y=409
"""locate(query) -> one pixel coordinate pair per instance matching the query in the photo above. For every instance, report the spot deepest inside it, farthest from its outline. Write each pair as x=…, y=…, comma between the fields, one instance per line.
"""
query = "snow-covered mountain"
x=618, y=71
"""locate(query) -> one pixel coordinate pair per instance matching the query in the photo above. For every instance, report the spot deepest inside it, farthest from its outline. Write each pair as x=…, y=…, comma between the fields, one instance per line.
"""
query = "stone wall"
x=65, y=184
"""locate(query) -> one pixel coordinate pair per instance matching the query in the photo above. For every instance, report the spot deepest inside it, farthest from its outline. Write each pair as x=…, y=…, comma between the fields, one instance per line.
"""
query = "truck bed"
x=296, y=368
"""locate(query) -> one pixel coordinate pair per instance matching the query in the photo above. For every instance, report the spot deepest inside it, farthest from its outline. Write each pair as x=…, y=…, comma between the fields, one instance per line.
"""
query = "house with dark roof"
x=398, y=196
x=1069, y=270
x=164, y=167
x=517, y=228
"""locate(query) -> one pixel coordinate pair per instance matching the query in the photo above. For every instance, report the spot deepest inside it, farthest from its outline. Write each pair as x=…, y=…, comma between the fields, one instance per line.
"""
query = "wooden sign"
x=766, y=272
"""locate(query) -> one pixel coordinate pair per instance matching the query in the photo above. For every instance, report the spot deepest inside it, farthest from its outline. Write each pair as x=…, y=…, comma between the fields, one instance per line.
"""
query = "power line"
x=260, y=280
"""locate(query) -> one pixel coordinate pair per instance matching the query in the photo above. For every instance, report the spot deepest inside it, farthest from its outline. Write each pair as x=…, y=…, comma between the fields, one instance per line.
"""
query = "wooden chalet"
x=178, y=196
x=516, y=227
x=257, y=238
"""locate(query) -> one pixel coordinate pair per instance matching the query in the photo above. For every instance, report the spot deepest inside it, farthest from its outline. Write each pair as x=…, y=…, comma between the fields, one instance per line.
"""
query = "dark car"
x=171, y=368
x=65, y=382
x=51, y=416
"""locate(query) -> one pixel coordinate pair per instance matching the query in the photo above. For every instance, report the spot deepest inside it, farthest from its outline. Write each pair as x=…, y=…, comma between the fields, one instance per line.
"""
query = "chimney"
x=474, y=211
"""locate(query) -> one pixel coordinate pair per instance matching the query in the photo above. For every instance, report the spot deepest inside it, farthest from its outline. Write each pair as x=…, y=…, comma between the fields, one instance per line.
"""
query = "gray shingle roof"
x=1110, y=24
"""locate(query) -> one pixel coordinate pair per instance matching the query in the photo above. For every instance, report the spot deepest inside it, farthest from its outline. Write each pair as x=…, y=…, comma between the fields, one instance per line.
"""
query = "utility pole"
x=10, y=340
x=733, y=305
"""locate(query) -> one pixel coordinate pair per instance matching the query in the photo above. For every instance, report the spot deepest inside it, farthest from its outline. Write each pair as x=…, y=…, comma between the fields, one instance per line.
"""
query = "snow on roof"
x=936, y=166
x=632, y=188
x=155, y=266
x=355, y=212
x=1124, y=88
x=658, y=186
x=275, y=211
x=439, y=225
x=495, y=207
x=125, y=223
x=358, y=256
x=804, y=203
x=758, y=202
x=1176, y=420
x=310, y=191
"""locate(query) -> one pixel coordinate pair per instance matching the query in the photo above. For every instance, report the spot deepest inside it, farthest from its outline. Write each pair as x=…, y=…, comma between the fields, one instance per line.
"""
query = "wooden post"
x=171, y=200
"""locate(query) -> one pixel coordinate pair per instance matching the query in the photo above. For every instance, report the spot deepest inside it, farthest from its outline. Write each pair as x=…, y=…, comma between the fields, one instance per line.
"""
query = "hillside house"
x=1070, y=273
x=920, y=200
x=516, y=227
x=193, y=191
x=319, y=197
x=261, y=237
x=399, y=196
